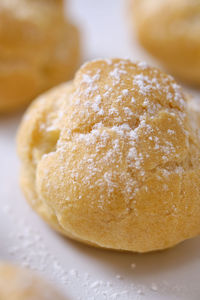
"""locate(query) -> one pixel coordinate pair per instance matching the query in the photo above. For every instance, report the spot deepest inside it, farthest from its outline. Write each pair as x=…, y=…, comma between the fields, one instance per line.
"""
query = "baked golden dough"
x=170, y=31
x=21, y=284
x=39, y=48
x=112, y=159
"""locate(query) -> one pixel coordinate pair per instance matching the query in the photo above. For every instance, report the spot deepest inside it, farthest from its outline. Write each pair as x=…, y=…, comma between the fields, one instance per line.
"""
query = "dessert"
x=112, y=158
x=17, y=283
x=39, y=48
x=169, y=30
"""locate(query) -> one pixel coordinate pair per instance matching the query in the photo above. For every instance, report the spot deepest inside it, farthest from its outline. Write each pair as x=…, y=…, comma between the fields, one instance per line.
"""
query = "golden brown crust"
x=170, y=31
x=21, y=284
x=38, y=49
x=115, y=157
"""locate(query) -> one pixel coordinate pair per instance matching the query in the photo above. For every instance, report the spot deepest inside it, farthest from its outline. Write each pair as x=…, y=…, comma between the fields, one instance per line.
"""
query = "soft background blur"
x=83, y=272
x=105, y=28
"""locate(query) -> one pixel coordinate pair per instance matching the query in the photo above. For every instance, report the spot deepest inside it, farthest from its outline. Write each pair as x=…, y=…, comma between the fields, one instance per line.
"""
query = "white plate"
x=84, y=272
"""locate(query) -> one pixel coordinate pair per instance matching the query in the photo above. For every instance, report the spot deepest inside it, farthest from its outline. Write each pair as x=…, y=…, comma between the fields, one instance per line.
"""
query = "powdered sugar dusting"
x=114, y=118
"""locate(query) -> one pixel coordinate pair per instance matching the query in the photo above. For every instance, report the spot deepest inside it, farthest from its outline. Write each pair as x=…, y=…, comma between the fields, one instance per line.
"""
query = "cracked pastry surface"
x=170, y=31
x=21, y=284
x=112, y=158
x=39, y=48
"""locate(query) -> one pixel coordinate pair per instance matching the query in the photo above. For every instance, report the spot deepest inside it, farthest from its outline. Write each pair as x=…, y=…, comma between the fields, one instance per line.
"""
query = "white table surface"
x=84, y=272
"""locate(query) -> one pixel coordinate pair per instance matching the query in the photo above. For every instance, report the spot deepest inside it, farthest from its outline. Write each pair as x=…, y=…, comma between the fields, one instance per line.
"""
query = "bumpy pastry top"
x=170, y=31
x=20, y=284
x=114, y=158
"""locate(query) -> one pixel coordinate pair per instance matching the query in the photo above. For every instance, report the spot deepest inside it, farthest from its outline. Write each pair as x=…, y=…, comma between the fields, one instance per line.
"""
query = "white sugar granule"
x=125, y=92
x=142, y=65
x=128, y=111
x=73, y=272
x=132, y=99
x=140, y=292
x=171, y=131
x=154, y=287
x=90, y=79
x=119, y=277
x=143, y=83
x=96, y=284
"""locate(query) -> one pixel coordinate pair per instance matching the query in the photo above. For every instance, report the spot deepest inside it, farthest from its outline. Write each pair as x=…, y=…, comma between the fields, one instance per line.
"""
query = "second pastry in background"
x=170, y=31
x=39, y=48
x=17, y=283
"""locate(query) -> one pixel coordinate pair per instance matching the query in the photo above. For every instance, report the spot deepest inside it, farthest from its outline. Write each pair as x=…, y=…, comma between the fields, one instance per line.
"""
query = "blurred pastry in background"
x=39, y=48
x=112, y=158
x=17, y=283
x=170, y=31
